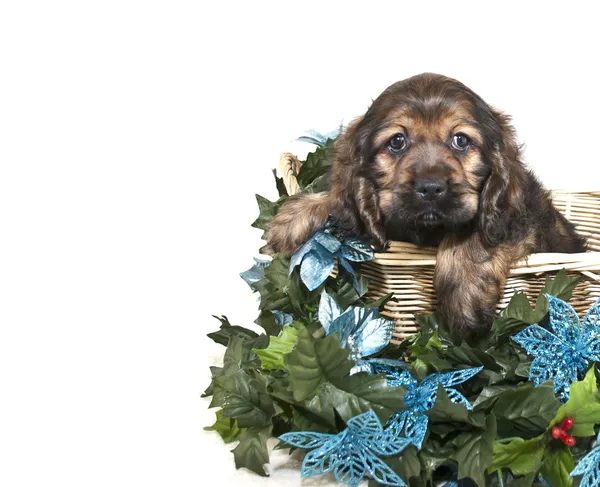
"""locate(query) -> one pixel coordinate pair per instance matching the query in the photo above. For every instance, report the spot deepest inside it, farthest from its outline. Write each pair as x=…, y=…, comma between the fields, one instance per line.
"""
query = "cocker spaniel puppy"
x=431, y=163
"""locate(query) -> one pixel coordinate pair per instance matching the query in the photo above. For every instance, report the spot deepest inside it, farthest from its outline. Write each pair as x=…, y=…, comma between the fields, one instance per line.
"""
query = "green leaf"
x=474, y=451
x=471, y=357
x=244, y=399
x=281, y=189
x=271, y=298
x=320, y=385
x=489, y=395
x=583, y=406
x=343, y=290
x=226, y=331
x=267, y=321
x=315, y=361
x=239, y=353
x=561, y=286
x=356, y=394
x=252, y=452
x=407, y=465
x=317, y=164
x=445, y=411
x=268, y=209
x=277, y=272
x=520, y=309
x=558, y=464
x=519, y=455
x=434, y=454
x=526, y=411
x=319, y=185
x=226, y=427
x=379, y=303
x=271, y=358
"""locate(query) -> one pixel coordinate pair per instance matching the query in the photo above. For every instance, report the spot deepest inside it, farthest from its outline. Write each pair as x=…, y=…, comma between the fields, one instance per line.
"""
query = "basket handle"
x=289, y=166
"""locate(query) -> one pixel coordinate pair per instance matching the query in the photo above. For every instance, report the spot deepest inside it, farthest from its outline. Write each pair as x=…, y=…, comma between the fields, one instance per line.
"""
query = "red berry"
x=567, y=423
x=556, y=433
x=569, y=440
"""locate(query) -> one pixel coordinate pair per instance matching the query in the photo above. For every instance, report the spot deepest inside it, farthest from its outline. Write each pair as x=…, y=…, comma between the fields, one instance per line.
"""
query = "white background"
x=133, y=136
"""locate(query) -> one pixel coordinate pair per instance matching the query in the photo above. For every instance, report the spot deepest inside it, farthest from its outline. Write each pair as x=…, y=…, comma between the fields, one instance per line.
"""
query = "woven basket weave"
x=406, y=270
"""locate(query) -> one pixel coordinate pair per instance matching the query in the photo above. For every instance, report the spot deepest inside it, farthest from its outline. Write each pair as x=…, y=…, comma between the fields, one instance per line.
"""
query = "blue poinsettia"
x=256, y=272
x=589, y=467
x=317, y=257
x=317, y=138
x=353, y=453
x=565, y=355
x=421, y=397
x=361, y=330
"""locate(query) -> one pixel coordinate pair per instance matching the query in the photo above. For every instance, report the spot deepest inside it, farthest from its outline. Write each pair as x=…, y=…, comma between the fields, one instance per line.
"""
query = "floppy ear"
x=355, y=202
x=501, y=203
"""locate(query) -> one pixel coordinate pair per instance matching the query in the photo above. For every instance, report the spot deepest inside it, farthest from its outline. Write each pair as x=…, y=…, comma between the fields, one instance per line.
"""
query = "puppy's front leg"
x=296, y=221
x=469, y=279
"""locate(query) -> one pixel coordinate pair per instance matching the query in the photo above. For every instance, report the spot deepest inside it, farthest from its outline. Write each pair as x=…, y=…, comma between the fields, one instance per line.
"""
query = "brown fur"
x=490, y=211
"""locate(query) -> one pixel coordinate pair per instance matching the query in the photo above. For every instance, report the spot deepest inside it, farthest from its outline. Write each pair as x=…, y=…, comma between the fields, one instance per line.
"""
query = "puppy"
x=431, y=163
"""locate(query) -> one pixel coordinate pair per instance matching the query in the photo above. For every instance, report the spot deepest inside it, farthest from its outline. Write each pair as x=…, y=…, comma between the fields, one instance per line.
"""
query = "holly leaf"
x=558, y=464
x=244, y=399
x=226, y=427
x=226, y=331
x=317, y=164
x=520, y=456
x=315, y=361
x=583, y=406
x=277, y=272
x=271, y=298
x=350, y=397
x=474, y=451
x=526, y=411
x=271, y=358
x=239, y=355
x=252, y=452
x=267, y=210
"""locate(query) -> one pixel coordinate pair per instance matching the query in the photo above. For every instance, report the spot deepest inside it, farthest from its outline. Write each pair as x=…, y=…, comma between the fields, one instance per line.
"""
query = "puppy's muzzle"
x=431, y=189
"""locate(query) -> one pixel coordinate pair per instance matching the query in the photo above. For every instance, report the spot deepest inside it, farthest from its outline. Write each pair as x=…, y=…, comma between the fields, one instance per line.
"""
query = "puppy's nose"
x=431, y=189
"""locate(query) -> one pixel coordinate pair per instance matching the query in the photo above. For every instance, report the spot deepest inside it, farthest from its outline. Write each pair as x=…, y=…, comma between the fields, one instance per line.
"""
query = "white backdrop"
x=133, y=136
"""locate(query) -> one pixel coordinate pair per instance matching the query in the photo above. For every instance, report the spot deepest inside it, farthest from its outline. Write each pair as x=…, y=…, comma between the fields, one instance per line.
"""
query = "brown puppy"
x=431, y=163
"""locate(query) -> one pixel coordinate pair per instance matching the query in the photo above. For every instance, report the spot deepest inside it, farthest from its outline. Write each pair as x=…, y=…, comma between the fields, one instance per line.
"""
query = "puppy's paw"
x=296, y=221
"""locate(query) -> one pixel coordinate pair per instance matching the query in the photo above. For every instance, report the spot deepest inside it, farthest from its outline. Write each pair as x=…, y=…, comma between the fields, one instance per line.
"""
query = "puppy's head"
x=430, y=155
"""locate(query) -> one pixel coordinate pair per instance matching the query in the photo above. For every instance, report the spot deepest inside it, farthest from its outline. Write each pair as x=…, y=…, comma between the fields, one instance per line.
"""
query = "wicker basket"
x=406, y=270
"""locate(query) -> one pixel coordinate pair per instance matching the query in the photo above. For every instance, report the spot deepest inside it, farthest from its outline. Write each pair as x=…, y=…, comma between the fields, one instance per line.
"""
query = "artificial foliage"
x=520, y=408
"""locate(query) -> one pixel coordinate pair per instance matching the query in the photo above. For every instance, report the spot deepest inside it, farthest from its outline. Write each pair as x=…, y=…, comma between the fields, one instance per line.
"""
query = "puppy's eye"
x=397, y=143
x=461, y=142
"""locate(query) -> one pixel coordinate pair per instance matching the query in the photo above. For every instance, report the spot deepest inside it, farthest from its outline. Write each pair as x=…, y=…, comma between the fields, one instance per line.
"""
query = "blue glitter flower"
x=316, y=257
x=361, y=330
x=353, y=453
x=421, y=397
x=563, y=356
x=589, y=467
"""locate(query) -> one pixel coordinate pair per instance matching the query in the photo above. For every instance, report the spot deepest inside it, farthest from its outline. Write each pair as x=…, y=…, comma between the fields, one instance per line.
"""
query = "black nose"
x=431, y=189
